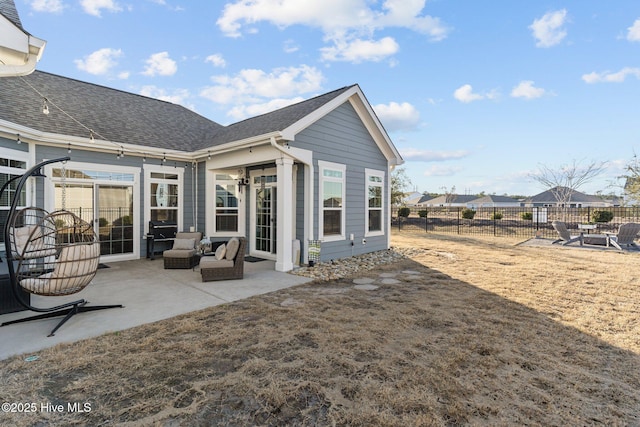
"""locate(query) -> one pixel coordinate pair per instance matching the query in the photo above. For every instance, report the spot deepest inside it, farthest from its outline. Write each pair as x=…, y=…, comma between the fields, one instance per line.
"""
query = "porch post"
x=284, y=250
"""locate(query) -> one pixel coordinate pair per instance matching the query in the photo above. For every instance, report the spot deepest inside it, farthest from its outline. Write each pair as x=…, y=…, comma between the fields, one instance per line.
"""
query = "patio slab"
x=148, y=292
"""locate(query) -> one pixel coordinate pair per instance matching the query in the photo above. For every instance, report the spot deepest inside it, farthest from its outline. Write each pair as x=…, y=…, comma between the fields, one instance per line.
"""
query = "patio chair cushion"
x=179, y=253
x=184, y=244
x=232, y=248
x=222, y=249
x=212, y=262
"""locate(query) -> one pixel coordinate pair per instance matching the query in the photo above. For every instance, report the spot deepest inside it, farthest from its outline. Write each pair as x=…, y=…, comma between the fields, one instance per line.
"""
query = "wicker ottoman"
x=180, y=259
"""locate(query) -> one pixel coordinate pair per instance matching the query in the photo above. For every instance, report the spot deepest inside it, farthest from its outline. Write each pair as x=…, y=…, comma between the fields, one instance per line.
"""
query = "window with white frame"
x=226, y=207
x=332, y=189
x=163, y=200
x=374, y=204
x=12, y=164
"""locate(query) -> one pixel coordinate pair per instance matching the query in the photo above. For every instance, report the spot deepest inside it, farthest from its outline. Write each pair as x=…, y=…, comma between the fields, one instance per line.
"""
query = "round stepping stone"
x=387, y=274
x=389, y=281
x=363, y=281
x=411, y=272
x=366, y=287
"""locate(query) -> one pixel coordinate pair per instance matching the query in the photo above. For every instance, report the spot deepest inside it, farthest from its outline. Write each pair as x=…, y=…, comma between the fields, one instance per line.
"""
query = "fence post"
x=494, y=222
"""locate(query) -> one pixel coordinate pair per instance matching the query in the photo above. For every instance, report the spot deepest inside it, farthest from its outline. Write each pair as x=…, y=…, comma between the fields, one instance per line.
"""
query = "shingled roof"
x=126, y=118
x=8, y=10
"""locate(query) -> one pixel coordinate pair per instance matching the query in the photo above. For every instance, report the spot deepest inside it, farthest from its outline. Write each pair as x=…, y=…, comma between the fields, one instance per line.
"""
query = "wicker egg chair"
x=50, y=254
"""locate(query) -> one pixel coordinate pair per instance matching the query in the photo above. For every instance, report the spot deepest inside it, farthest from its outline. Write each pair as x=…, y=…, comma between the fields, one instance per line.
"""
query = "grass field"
x=466, y=331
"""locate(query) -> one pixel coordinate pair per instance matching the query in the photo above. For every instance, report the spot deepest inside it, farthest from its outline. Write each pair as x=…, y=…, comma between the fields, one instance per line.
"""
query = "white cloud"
x=441, y=170
x=549, y=30
x=465, y=94
x=609, y=77
x=395, y=116
x=240, y=112
x=100, y=62
x=359, y=50
x=94, y=7
x=634, y=31
x=52, y=6
x=525, y=89
x=413, y=154
x=290, y=46
x=253, y=84
x=217, y=60
x=160, y=64
x=348, y=25
x=178, y=96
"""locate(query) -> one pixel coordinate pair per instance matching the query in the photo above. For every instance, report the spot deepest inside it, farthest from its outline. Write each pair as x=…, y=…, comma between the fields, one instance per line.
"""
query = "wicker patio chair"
x=564, y=234
x=228, y=263
x=184, y=253
x=625, y=236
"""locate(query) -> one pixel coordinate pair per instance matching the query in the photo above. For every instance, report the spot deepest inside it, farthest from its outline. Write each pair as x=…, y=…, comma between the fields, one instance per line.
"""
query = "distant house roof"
x=550, y=197
x=452, y=199
x=492, y=198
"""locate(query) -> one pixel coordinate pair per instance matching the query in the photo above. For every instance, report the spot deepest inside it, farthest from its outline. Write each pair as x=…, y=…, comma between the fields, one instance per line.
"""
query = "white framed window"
x=12, y=164
x=226, y=207
x=332, y=188
x=164, y=194
x=374, y=204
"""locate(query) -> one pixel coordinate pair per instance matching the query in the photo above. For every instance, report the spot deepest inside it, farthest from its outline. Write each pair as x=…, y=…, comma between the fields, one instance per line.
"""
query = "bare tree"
x=564, y=181
x=631, y=183
x=399, y=182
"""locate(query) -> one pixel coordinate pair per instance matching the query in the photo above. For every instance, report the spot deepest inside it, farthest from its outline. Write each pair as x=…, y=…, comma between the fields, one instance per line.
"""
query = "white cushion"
x=184, y=244
x=232, y=248
x=221, y=251
x=208, y=262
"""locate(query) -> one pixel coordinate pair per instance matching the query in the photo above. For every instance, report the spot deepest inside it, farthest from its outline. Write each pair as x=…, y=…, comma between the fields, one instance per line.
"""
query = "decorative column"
x=284, y=232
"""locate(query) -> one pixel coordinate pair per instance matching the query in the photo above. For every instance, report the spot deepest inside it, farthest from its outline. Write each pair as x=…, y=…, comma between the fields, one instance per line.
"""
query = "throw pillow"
x=184, y=244
x=222, y=249
x=232, y=248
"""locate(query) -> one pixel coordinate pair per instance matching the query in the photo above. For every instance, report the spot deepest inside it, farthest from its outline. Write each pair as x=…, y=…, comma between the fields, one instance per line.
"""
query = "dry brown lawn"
x=488, y=333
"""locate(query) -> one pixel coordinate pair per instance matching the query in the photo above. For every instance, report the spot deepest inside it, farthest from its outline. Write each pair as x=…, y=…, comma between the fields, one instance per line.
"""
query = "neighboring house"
x=19, y=50
x=417, y=199
x=451, y=200
x=316, y=170
x=493, y=201
x=578, y=200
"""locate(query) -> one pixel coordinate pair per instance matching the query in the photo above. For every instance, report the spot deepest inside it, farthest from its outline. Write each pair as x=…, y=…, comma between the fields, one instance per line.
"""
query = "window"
x=226, y=210
x=164, y=195
x=332, y=200
x=12, y=166
x=374, y=203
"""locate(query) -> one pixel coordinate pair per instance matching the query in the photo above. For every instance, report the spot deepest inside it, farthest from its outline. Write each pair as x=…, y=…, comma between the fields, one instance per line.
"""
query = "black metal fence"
x=508, y=221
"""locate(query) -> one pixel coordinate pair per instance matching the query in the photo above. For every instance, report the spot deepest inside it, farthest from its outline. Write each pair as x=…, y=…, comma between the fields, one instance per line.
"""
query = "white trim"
x=210, y=199
x=322, y=166
x=148, y=169
x=49, y=196
x=380, y=174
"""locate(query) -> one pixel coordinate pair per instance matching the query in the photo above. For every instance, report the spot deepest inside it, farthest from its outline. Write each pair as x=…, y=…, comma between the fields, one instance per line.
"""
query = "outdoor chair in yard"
x=227, y=262
x=625, y=236
x=183, y=254
x=564, y=235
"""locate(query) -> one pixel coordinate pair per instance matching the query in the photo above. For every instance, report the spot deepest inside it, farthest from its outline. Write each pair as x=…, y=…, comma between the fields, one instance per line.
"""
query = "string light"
x=144, y=158
x=208, y=154
x=45, y=107
x=19, y=141
x=91, y=135
x=69, y=148
x=251, y=149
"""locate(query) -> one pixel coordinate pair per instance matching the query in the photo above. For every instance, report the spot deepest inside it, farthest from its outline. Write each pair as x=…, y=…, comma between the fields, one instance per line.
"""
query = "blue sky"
x=475, y=95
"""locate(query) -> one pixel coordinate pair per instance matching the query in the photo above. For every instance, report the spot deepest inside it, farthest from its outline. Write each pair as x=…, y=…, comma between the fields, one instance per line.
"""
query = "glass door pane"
x=265, y=227
x=115, y=219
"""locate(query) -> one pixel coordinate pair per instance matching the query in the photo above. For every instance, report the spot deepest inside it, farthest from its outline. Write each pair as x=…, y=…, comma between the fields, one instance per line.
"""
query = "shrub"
x=527, y=216
x=497, y=215
x=103, y=222
x=422, y=213
x=468, y=213
x=601, y=216
x=404, y=211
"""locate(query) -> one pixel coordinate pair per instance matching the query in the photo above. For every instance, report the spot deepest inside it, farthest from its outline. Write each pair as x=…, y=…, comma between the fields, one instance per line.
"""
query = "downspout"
x=308, y=196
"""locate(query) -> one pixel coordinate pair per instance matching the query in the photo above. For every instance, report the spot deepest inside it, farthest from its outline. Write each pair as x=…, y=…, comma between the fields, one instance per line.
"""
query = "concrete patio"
x=148, y=293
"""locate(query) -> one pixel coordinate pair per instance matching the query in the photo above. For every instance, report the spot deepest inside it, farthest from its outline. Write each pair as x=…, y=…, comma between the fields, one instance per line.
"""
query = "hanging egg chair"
x=49, y=254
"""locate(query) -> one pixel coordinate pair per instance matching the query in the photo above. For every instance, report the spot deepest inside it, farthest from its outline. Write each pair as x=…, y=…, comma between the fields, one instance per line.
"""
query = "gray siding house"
x=316, y=171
